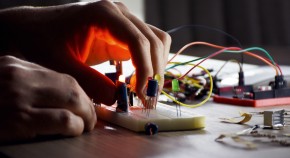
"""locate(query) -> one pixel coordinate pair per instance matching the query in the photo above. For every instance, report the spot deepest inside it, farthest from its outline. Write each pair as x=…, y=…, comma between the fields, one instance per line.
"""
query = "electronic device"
x=164, y=117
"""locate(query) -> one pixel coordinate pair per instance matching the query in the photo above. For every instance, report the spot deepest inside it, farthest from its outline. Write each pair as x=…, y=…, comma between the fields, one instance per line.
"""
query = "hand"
x=68, y=38
x=37, y=101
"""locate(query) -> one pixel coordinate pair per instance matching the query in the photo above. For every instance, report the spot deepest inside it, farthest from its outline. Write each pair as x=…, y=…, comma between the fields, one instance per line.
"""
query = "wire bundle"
x=269, y=60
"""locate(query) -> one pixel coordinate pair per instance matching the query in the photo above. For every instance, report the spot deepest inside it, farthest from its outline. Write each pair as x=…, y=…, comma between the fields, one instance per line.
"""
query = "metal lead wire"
x=178, y=108
x=151, y=96
x=150, y=104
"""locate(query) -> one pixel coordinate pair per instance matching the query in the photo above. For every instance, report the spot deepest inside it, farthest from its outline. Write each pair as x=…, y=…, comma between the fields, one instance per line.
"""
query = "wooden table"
x=108, y=140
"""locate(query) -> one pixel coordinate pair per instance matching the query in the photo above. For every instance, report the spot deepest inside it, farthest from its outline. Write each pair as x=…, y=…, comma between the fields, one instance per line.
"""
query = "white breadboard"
x=164, y=116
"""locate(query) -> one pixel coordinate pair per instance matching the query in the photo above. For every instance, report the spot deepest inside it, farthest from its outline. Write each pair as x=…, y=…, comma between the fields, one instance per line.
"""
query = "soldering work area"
x=191, y=82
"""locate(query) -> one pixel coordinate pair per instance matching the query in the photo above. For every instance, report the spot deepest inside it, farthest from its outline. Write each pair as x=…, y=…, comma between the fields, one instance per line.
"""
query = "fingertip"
x=73, y=124
x=51, y=121
x=141, y=81
x=95, y=84
x=92, y=121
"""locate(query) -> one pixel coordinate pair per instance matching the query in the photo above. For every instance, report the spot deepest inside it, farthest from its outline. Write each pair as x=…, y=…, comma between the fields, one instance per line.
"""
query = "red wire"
x=276, y=66
x=210, y=56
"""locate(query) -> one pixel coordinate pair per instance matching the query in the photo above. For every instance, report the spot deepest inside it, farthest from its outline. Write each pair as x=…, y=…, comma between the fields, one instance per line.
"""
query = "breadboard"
x=164, y=116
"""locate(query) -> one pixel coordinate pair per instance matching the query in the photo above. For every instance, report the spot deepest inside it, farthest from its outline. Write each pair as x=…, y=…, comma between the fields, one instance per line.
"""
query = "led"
x=175, y=90
x=175, y=85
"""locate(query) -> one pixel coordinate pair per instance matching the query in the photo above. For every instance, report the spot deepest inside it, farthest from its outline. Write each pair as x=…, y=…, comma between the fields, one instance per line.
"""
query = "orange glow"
x=105, y=35
x=133, y=81
x=98, y=45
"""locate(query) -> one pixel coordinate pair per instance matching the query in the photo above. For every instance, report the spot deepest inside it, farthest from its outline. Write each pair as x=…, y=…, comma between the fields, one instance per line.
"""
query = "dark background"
x=264, y=23
x=13, y=3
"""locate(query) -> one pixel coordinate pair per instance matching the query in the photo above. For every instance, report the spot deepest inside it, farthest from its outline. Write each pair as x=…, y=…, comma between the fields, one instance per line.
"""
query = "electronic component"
x=272, y=118
x=119, y=70
x=175, y=90
x=275, y=118
x=164, y=116
x=277, y=93
x=241, y=78
x=151, y=128
x=151, y=95
x=122, y=95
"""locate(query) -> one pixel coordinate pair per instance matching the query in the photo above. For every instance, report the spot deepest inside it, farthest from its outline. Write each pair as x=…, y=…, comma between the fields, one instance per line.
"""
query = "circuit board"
x=164, y=116
x=251, y=102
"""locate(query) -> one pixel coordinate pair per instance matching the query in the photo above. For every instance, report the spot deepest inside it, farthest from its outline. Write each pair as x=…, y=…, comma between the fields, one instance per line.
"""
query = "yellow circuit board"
x=164, y=116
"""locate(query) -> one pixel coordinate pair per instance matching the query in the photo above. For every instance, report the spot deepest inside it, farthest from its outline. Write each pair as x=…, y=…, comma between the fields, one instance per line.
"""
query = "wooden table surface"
x=108, y=140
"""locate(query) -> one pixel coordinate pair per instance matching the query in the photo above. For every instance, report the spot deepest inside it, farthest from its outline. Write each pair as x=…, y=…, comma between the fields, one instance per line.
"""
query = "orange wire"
x=221, y=47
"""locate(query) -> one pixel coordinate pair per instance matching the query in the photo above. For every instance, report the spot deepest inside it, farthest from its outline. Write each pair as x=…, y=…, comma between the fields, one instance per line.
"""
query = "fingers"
x=166, y=40
x=146, y=45
x=156, y=51
x=32, y=122
x=26, y=85
x=110, y=17
x=159, y=42
x=156, y=45
x=65, y=93
x=56, y=121
x=102, y=51
x=97, y=86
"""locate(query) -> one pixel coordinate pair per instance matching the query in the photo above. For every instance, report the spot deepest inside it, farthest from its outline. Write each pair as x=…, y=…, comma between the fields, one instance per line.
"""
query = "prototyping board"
x=164, y=116
x=251, y=102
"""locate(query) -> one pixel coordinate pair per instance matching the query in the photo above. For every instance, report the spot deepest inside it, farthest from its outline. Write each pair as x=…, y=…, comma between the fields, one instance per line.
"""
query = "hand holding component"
x=68, y=38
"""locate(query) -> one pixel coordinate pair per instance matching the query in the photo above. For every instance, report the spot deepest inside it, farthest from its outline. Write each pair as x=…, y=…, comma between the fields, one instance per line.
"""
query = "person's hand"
x=68, y=38
x=35, y=101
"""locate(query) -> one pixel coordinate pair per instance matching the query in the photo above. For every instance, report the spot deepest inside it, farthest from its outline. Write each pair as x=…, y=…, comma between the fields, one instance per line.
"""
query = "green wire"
x=251, y=49
x=173, y=66
x=229, y=51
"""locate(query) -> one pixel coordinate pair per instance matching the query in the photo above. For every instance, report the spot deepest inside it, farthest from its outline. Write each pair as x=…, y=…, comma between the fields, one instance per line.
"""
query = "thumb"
x=96, y=85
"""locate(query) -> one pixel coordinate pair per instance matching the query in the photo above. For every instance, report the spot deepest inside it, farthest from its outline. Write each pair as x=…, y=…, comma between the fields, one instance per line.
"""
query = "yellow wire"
x=201, y=103
x=192, y=81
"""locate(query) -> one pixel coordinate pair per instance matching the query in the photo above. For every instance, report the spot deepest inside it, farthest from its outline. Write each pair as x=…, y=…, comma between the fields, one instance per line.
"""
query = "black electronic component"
x=275, y=93
x=241, y=78
x=280, y=82
x=235, y=92
x=151, y=95
x=131, y=98
x=112, y=76
x=152, y=88
x=151, y=128
x=122, y=97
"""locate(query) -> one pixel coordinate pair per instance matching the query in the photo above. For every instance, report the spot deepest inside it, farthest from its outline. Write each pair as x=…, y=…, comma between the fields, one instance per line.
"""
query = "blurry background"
x=264, y=23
